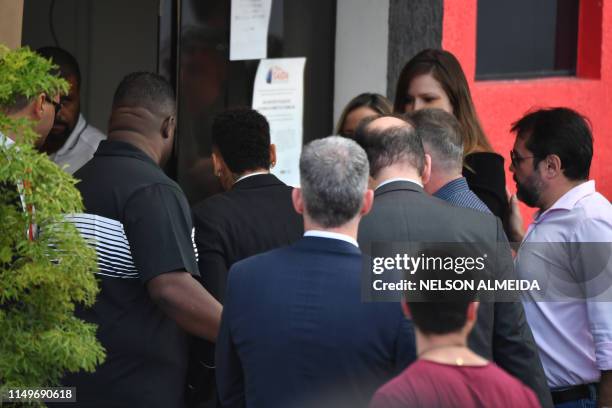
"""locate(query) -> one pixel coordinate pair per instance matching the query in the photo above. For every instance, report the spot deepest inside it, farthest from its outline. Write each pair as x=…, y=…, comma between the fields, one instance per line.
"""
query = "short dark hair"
x=242, y=136
x=441, y=132
x=441, y=311
x=385, y=147
x=560, y=131
x=67, y=63
x=146, y=90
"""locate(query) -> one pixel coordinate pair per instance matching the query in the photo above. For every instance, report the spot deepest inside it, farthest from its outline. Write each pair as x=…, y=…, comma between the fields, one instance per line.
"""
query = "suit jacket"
x=255, y=216
x=295, y=332
x=403, y=212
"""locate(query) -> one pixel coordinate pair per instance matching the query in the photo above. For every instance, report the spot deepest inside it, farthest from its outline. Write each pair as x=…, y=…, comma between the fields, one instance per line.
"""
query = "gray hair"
x=334, y=176
x=441, y=135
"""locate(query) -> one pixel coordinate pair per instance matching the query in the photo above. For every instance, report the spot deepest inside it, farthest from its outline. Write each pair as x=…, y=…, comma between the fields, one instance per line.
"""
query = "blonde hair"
x=378, y=103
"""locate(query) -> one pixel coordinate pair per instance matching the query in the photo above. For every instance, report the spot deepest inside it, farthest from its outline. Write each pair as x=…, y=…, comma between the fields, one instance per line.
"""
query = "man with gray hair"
x=294, y=331
x=441, y=135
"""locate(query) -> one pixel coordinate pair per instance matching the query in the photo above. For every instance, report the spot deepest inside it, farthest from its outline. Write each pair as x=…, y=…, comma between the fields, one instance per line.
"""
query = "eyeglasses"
x=56, y=105
x=516, y=159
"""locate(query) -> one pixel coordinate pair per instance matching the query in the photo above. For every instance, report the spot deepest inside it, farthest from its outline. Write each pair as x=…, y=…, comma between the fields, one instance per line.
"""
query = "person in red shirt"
x=447, y=373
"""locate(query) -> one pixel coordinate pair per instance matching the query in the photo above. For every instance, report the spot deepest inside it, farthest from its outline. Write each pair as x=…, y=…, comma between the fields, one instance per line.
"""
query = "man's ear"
x=298, y=202
x=552, y=166
x=426, y=174
x=472, y=311
x=406, y=309
x=272, y=155
x=371, y=183
x=368, y=200
x=168, y=127
x=217, y=162
x=37, y=107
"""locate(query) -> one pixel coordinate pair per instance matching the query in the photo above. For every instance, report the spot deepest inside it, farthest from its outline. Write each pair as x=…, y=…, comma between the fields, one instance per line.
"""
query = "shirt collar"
x=331, y=235
x=257, y=173
x=76, y=132
x=392, y=180
x=568, y=200
x=119, y=148
x=5, y=140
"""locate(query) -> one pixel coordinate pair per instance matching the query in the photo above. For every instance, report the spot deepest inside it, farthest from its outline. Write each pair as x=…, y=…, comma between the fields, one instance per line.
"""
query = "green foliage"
x=25, y=73
x=40, y=280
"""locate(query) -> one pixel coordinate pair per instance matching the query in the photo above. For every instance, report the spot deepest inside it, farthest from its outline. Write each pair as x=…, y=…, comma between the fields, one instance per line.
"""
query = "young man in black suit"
x=403, y=212
x=253, y=215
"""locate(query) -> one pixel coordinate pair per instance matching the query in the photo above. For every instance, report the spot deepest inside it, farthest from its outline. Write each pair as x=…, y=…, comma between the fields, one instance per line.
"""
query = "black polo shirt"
x=141, y=223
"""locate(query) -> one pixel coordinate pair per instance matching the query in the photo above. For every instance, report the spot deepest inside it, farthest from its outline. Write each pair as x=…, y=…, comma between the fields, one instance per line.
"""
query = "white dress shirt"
x=392, y=180
x=331, y=235
x=574, y=336
x=257, y=173
x=7, y=141
x=79, y=147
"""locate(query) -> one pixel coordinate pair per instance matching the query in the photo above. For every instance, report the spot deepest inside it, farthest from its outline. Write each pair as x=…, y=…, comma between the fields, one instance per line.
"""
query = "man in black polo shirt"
x=141, y=224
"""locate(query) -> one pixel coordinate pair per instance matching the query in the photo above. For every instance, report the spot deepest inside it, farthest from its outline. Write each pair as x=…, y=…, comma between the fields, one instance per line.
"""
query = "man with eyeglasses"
x=567, y=248
x=72, y=141
x=39, y=109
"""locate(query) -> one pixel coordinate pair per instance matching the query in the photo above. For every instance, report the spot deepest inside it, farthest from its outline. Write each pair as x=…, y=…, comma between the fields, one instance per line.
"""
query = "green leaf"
x=41, y=281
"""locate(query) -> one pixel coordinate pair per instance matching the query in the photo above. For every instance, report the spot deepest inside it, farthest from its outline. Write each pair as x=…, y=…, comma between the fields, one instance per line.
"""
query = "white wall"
x=123, y=38
x=362, y=28
x=11, y=16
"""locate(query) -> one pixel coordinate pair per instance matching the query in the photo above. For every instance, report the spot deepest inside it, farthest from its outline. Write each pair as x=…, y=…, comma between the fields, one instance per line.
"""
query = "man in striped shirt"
x=139, y=221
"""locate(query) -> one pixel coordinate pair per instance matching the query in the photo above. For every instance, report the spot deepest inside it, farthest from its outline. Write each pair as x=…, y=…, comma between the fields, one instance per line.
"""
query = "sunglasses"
x=56, y=105
x=516, y=159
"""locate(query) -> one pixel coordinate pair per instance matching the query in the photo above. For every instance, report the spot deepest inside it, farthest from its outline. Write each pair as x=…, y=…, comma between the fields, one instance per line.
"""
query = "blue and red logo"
x=277, y=74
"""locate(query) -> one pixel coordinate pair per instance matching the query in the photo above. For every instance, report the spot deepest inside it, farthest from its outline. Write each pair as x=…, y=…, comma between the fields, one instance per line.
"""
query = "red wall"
x=499, y=103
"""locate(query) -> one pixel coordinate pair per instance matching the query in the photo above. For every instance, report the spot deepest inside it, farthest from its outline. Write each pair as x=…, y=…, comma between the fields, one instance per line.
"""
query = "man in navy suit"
x=295, y=332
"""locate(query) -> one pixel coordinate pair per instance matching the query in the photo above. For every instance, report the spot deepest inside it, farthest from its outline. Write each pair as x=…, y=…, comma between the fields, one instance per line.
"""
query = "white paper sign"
x=279, y=95
x=249, y=29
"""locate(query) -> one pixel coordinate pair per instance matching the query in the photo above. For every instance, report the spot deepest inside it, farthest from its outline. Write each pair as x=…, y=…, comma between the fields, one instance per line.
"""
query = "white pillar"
x=11, y=17
x=362, y=28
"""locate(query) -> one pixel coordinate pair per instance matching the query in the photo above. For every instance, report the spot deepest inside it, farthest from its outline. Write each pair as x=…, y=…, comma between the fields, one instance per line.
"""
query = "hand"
x=515, y=220
x=605, y=390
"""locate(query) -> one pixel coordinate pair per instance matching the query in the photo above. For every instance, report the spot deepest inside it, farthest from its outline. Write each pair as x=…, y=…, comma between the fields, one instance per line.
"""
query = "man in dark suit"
x=253, y=215
x=403, y=212
x=295, y=332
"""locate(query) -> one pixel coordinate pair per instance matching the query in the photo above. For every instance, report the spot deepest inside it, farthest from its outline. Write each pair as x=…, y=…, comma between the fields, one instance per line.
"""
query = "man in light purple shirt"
x=567, y=248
